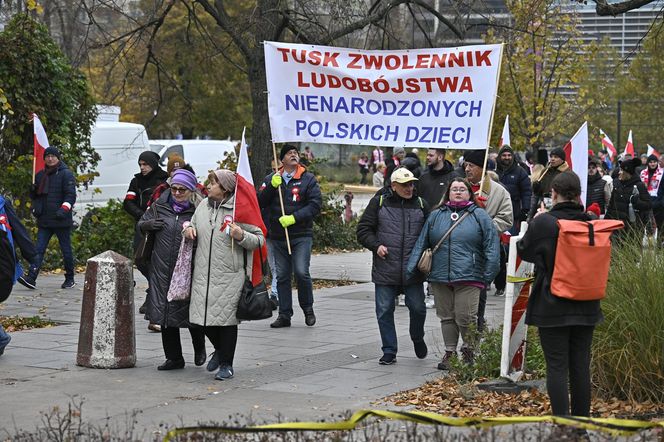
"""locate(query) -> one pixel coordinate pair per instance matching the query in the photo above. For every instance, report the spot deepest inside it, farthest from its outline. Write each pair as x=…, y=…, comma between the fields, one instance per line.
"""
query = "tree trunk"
x=261, y=136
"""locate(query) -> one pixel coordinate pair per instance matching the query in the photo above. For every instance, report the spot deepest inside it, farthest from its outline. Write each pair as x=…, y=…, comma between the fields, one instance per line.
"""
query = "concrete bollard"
x=107, y=337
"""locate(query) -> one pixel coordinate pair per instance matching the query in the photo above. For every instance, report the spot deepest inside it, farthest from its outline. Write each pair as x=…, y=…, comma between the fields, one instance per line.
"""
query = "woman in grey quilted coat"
x=219, y=271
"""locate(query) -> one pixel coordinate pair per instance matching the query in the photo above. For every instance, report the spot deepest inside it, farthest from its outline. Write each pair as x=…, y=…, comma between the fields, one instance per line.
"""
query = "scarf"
x=42, y=189
x=456, y=205
x=179, y=207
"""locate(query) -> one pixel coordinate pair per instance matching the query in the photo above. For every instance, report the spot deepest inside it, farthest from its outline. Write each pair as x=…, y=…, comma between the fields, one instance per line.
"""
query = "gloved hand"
x=276, y=180
x=60, y=213
x=286, y=220
x=524, y=213
x=480, y=201
x=153, y=225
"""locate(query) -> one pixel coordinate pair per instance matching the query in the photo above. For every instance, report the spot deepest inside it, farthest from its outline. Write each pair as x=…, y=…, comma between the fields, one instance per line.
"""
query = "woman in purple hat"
x=167, y=218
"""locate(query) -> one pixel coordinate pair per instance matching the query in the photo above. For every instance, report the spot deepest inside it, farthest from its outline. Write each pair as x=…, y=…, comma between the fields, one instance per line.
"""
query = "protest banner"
x=430, y=98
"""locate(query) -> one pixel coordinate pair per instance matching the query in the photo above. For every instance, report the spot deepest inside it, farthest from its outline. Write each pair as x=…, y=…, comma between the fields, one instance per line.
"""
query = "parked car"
x=202, y=155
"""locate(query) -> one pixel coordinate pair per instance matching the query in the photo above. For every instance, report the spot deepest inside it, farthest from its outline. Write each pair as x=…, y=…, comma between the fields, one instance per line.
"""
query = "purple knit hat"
x=184, y=178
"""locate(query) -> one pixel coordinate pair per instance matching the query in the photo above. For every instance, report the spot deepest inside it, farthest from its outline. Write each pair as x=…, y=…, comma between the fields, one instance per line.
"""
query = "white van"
x=119, y=145
x=202, y=155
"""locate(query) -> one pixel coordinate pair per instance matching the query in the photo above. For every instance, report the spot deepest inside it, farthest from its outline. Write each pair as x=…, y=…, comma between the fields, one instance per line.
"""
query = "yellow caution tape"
x=617, y=427
x=518, y=279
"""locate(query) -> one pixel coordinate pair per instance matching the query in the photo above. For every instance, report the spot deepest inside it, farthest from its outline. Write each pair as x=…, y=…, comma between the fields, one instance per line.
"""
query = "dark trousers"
x=501, y=278
x=567, y=353
x=170, y=340
x=224, y=339
x=481, y=307
x=64, y=238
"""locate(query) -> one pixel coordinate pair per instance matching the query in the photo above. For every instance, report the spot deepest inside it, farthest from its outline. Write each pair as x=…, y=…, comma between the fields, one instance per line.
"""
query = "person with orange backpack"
x=566, y=323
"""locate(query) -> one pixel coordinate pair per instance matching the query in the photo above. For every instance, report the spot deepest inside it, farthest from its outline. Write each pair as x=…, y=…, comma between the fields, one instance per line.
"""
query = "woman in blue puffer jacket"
x=467, y=261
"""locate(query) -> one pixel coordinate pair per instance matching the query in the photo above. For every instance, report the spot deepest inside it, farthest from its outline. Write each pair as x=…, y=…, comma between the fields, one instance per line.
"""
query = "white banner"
x=431, y=98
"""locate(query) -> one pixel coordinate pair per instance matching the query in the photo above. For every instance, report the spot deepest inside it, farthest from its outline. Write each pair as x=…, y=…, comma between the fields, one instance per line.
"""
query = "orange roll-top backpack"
x=583, y=256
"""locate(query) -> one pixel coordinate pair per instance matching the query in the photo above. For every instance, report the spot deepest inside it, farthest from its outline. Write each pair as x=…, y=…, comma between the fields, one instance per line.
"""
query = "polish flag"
x=652, y=151
x=246, y=208
x=608, y=144
x=629, y=147
x=505, y=137
x=576, y=151
x=40, y=145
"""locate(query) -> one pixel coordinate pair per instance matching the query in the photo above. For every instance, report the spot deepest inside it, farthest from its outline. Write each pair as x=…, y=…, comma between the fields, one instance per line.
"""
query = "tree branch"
x=604, y=8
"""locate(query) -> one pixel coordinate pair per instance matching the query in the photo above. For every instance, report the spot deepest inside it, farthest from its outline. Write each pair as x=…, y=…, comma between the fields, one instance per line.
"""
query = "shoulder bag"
x=426, y=260
x=254, y=301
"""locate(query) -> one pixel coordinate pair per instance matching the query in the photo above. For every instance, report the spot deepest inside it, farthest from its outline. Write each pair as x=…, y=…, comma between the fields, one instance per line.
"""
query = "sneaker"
x=310, y=318
x=388, y=359
x=500, y=293
x=467, y=355
x=154, y=327
x=402, y=301
x=213, y=363
x=275, y=302
x=281, y=322
x=421, y=349
x=429, y=302
x=225, y=372
x=445, y=363
x=28, y=282
x=69, y=283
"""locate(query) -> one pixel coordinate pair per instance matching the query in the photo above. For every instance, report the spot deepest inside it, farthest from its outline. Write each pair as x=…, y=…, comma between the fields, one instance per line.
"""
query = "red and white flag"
x=629, y=147
x=246, y=208
x=505, y=137
x=608, y=145
x=40, y=145
x=576, y=151
x=652, y=151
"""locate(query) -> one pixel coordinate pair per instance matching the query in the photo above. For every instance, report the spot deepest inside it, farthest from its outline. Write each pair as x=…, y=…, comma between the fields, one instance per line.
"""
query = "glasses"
x=458, y=190
x=178, y=190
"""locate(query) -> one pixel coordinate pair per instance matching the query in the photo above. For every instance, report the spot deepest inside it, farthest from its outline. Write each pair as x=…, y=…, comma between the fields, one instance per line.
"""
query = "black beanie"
x=152, y=158
x=475, y=157
x=505, y=148
x=53, y=151
x=559, y=152
x=630, y=166
x=285, y=149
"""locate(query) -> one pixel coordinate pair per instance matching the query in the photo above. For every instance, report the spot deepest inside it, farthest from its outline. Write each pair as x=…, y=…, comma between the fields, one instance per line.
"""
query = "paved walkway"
x=296, y=373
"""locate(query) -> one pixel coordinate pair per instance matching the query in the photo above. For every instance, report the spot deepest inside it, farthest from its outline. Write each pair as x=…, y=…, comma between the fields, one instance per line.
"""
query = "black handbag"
x=254, y=301
x=144, y=250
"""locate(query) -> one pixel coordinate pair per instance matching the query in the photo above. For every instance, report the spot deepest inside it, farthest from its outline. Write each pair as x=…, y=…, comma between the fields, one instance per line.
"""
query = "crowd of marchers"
x=461, y=216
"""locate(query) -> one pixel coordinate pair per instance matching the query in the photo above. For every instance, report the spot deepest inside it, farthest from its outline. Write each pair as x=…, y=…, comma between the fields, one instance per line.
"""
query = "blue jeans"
x=4, y=339
x=385, y=301
x=297, y=263
x=273, y=268
x=64, y=238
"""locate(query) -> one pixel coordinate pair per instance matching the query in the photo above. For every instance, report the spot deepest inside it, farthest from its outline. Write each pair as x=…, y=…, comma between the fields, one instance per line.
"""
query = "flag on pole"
x=246, y=208
x=505, y=137
x=629, y=147
x=576, y=151
x=608, y=145
x=652, y=151
x=40, y=145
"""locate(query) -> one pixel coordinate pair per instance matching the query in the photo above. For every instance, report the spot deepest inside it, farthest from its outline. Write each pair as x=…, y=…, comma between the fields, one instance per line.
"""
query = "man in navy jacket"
x=302, y=202
x=53, y=196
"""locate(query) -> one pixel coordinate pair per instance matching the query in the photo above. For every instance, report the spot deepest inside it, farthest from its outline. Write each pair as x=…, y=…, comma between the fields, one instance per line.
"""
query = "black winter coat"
x=302, y=199
x=433, y=183
x=48, y=207
x=164, y=255
x=623, y=193
x=538, y=246
x=395, y=223
x=517, y=182
x=140, y=190
x=595, y=192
